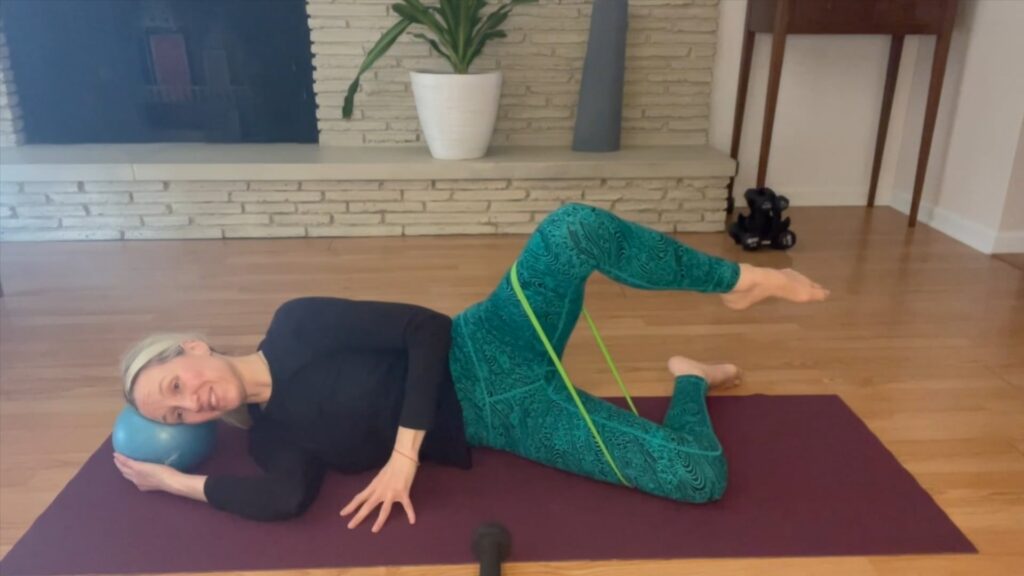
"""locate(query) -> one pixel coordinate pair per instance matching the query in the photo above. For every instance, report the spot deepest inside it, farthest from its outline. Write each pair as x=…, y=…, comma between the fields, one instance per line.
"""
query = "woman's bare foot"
x=756, y=284
x=717, y=375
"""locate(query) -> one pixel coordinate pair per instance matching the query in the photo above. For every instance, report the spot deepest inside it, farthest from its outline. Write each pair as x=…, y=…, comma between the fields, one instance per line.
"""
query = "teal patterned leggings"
x=513, y=398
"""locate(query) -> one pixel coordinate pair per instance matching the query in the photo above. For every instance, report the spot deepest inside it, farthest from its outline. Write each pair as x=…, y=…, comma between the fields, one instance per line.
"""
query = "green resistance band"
x=565, y=377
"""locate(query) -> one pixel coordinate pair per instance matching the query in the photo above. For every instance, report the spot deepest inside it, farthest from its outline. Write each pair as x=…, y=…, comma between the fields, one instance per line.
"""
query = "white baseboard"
x=824, y=196
x=971, y=233
x=1009, y=243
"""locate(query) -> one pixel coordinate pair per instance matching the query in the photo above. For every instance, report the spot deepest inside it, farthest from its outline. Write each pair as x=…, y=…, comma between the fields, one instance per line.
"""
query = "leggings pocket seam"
x=513, y=393
x=479, y=384
x=646, y=437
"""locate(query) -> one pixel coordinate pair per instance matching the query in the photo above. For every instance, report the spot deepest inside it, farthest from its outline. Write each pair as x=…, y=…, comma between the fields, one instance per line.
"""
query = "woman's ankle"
x=750, y=277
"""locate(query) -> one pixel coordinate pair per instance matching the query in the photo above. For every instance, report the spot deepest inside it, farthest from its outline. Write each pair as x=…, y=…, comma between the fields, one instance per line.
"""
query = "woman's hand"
x=391, y=485
x=146, y=477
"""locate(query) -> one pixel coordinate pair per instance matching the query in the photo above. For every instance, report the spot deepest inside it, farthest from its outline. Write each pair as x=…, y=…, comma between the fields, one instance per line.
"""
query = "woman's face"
x=192, y=388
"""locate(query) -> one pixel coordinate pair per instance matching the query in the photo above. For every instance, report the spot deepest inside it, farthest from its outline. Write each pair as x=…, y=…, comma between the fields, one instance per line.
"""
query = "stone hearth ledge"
x=211, y=162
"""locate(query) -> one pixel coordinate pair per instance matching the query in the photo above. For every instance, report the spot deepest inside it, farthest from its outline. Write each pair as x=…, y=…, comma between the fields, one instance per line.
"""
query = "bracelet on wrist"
x=415, y=461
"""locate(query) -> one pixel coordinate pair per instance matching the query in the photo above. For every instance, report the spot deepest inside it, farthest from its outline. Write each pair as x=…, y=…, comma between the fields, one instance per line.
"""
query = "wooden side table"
x=896, y=18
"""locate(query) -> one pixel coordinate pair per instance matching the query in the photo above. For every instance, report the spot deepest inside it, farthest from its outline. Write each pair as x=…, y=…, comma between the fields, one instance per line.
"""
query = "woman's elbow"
x=279, y=514
x=434, y=327
x=443, y=327
x=288, y=503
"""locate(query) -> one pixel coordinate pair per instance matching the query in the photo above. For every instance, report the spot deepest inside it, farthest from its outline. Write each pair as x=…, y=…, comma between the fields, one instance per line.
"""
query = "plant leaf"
x=483, y=42
x=450, y=15
x=443, y=24
x=386, y=41
x=490, y=24
x=467, y=10
x=437, y=48
x=425, y=17
x=415, y=11
x=451, y=18
x=488, y=29
x=476, y=18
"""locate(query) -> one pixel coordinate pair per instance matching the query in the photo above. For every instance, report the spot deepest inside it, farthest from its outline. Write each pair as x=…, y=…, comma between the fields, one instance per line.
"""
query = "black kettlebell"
x=491, y=546
x=764, y=224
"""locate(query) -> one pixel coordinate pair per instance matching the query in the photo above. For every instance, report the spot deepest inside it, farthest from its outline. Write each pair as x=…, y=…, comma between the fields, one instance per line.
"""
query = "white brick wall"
x=159, y=210
x=669, y=56
x=11, y=132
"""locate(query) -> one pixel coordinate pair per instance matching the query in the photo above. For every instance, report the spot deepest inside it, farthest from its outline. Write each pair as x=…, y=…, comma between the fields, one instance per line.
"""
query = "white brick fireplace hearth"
x=373, y=175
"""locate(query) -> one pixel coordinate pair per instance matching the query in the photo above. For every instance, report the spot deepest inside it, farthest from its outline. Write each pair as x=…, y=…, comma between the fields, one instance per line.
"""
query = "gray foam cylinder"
x=599, y=112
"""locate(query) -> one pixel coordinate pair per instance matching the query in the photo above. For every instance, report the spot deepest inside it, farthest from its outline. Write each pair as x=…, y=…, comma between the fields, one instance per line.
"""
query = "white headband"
x=143, y=358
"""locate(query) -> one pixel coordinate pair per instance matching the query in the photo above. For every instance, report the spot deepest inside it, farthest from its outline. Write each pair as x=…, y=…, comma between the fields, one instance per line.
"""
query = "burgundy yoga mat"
x=807, y=478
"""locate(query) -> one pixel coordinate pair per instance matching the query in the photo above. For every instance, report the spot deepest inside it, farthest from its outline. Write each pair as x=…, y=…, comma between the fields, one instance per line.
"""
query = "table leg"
x=893, y=70
x=774, y=75
x=932, y=108
x=741, y=105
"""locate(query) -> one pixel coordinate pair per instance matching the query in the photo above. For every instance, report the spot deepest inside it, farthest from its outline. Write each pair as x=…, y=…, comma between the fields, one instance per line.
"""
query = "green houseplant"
x=457, y=110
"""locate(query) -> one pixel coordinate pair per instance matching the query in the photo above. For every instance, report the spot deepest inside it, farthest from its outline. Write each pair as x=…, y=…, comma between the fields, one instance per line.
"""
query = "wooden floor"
x=1016, y=260
x=923, y=338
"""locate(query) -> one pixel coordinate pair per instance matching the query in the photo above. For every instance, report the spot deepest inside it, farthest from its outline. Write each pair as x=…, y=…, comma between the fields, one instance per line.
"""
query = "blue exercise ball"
x=181, y=446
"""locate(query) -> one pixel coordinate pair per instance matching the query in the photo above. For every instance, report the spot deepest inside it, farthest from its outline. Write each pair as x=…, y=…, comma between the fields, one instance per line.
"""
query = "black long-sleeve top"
x=345, y=375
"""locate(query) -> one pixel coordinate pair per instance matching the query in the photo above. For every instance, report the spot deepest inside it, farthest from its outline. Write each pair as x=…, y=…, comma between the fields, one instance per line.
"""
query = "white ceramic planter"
x=457, y=112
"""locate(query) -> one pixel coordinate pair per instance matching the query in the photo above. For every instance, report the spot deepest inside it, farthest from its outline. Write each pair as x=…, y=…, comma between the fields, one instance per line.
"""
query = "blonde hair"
x=158, y=349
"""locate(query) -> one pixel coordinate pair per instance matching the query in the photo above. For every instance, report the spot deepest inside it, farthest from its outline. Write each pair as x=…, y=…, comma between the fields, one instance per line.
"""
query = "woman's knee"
x=717, y=490
x=569, y=214
x=717, y=478
x=570, y=209
x=574, y=226
x=705, y=481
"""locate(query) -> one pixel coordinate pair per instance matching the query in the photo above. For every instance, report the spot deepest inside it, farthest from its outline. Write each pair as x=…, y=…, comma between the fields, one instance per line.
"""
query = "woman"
x=354, y=386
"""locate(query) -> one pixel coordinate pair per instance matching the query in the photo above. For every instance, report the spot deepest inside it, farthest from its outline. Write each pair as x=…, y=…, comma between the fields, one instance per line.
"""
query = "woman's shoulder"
x=282, y=344
x=306, y=308
x=306, y=304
